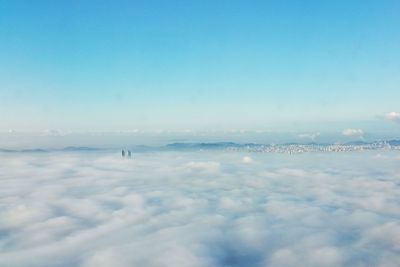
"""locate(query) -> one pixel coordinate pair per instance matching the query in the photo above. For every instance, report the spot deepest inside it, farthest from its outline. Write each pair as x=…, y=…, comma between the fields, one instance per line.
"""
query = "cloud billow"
x=200, y=209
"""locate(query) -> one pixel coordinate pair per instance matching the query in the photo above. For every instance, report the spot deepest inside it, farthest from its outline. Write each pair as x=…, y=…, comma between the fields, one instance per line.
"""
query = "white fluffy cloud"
x=393, y=116
x=199, y=209
x=353, y=132
x=247, y=159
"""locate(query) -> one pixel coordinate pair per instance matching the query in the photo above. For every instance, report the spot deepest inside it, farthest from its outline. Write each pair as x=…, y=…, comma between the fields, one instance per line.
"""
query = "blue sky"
x=257, y=65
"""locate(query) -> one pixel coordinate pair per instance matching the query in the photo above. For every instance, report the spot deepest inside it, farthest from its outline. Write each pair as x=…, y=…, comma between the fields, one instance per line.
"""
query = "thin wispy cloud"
x=353, y=132
x=311, y=136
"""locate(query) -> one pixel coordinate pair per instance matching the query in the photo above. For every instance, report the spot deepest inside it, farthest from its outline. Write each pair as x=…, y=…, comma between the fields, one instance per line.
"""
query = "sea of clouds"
x=199, y=209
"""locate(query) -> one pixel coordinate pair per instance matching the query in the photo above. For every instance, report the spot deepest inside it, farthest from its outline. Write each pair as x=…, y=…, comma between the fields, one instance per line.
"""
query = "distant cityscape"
x=304, y=148
x=291, y=148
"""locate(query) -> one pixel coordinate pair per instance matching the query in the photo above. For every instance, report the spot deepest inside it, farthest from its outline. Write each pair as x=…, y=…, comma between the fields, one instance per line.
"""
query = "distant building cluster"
x=304, y=148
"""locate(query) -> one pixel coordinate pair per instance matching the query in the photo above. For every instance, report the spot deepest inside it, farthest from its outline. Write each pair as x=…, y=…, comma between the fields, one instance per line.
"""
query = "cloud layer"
x=200, y=209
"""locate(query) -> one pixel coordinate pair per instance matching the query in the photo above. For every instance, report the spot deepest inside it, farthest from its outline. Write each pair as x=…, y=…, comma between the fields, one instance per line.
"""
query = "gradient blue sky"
x=121, y=65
